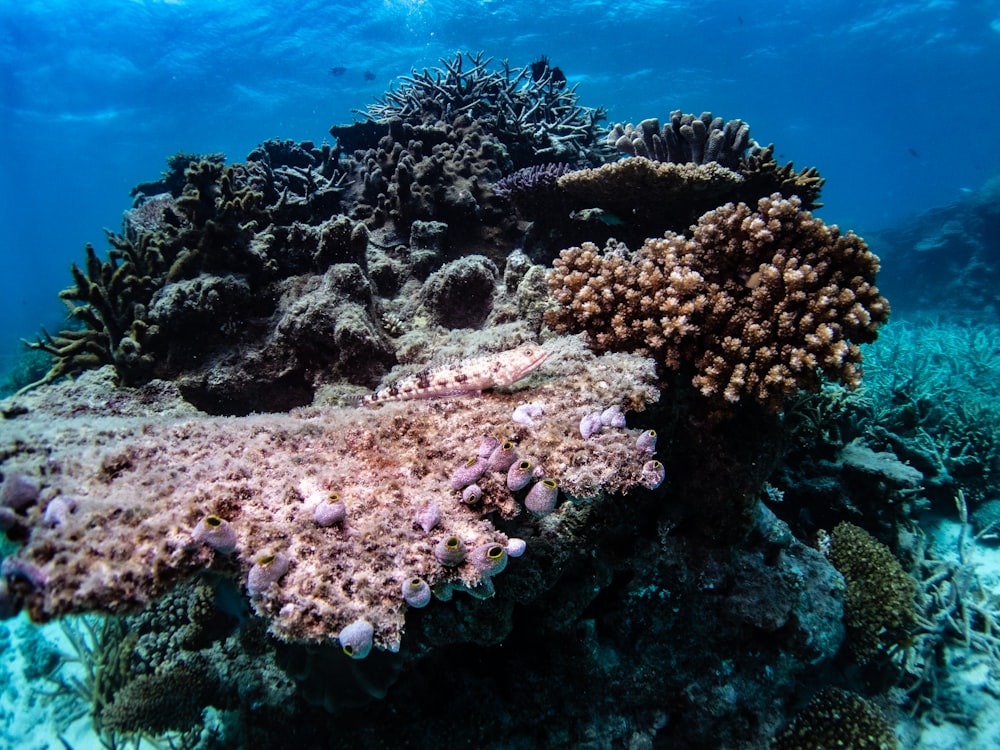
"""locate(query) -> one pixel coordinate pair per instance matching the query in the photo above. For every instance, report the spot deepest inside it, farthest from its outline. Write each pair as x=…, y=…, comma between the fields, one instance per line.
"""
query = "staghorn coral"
x=758, y=304
x=879, y=608
x=837, y=718
x=537, y=120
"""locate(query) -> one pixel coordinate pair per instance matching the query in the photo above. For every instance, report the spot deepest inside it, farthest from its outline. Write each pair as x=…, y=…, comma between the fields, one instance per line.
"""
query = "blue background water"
x=894, y=102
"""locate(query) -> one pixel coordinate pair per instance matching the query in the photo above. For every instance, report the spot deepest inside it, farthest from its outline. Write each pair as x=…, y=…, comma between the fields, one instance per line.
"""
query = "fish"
x=338, y=71
x=369, y=76
x=469, y=377
x=913, y=152
x=596, y=214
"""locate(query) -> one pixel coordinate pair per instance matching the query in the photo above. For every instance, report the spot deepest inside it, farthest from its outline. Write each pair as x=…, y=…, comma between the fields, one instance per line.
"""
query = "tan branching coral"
x=758, y=304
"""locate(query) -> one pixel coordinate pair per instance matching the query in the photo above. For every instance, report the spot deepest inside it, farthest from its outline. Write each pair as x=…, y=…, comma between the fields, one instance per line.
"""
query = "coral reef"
x=340, y=468
x=537, y=119
x=946, y=258
x=238, y=471
x=757, y=303
x=838, y=718
x=879, y=607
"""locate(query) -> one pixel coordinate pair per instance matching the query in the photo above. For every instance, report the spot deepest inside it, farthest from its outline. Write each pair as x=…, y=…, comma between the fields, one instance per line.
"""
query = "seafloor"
x=497, y=425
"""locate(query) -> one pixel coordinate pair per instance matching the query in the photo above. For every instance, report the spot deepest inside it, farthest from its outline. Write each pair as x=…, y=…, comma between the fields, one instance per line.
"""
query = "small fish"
x=596, y=214
x=740, y=19
x=338, y=71
x=466, y=378
x=913, y=153
x=369, y=76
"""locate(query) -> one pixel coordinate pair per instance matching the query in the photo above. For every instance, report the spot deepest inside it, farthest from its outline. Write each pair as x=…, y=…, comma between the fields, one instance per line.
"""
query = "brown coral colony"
x=756, y=303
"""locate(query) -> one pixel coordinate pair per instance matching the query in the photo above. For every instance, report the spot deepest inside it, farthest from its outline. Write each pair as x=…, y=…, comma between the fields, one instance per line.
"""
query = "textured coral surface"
x=142, y=484
x=758, y=303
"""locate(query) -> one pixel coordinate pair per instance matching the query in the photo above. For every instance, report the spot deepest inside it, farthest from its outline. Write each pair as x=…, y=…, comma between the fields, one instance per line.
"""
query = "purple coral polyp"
x=469, y=473
x=590, y=425
x=472, y=494
x=330, y=512
x=450, y=551
x=18, y=492
x=646, y=442
x=613, y=416
x=542, y=497
x=519, y=475
x=516, y=547
x=503, y=457
x=489, y=559
x=428, y=516
x=356, y=639
x=268, y=570
x=653, y=474
x=416, y=592
x=216, y=533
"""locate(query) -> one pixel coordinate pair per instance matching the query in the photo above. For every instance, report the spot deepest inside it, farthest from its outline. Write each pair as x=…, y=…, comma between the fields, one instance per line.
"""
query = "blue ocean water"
x=891, y=101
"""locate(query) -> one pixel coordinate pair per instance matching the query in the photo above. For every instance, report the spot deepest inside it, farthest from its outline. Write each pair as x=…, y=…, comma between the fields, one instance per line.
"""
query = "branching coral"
x=687, y=139
x=538, y=120
x=757, y=303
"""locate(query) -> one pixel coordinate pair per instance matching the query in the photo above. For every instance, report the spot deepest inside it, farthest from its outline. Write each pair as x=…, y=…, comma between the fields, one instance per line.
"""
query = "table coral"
x=758, y=304
x=148, y=482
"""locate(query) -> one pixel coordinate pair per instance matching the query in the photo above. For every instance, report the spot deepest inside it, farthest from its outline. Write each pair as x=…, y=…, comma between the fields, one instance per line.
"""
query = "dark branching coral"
x=757, y=304
x=879, y=608
x=192, y=264
x=685, y=139
x=172, y=179
x=534, y=191
x=537, y=120
x=837, y=719
x=157, y=703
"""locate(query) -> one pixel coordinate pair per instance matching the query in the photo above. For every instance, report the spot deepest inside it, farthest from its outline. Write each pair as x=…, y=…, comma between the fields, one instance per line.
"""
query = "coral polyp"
x=216, y=533
x=267, y=571
x=450, y=551
x=356, y=639
x=416, y=592
x=519, y=475
x=542, y=497
x=489, y=559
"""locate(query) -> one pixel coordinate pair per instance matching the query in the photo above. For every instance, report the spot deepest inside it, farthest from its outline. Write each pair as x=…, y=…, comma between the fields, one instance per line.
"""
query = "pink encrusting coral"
x=145, y=482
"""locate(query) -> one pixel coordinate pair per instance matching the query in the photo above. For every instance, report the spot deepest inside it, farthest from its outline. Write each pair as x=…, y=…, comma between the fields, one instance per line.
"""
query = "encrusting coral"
x=837, y=718
x=264, y=477
x=879, y=606
x=756, y=304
